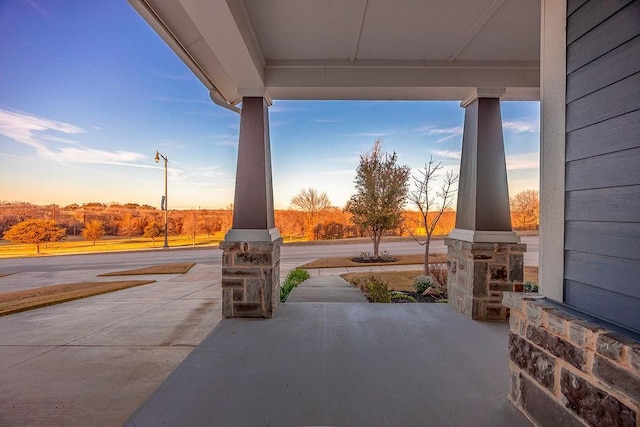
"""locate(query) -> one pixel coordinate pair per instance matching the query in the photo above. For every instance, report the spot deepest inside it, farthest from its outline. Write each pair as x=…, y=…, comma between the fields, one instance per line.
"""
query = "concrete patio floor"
x=341, y=364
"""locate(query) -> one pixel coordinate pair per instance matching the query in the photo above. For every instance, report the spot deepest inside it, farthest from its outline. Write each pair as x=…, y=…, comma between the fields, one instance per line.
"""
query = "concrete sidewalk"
x=94, y=361
x=326, y=289
x=342, y=365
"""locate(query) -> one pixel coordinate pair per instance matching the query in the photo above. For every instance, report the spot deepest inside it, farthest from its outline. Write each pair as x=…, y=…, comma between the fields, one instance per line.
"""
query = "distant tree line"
x=315, y=219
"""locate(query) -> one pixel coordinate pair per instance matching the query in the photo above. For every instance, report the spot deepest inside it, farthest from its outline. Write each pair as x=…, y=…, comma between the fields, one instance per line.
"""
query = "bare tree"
x=311, y=201
x=381, y=186
x=431, y=204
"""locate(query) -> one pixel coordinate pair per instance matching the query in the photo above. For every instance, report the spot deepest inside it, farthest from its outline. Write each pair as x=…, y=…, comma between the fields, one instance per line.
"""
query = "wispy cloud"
x=447, y=133
x=326, y=120
x=37, y=7
x=173, y=99
x=521, y=126
x=37, y=131
x=523, y=161
x=447, y=154
x=170, y=76
x=369, y=134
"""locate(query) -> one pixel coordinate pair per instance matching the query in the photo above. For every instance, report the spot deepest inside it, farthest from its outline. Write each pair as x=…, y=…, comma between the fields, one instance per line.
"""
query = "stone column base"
x=250, y=278
x=478, y=275
x=566, y=371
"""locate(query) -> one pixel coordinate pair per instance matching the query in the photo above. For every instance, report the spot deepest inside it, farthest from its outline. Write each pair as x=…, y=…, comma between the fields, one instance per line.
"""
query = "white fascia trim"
x=252, y=235
x=475, y=236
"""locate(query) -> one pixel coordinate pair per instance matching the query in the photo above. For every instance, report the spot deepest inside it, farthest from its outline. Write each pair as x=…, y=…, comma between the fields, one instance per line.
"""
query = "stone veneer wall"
x=478, y=275
x=567, y=371
x=250, y=278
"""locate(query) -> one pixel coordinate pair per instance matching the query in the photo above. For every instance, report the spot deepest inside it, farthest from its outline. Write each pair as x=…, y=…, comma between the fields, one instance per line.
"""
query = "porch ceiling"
x=354, y=49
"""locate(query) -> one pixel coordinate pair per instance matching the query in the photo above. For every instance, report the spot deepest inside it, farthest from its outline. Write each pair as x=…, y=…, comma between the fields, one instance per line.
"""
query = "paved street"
x=291, y=255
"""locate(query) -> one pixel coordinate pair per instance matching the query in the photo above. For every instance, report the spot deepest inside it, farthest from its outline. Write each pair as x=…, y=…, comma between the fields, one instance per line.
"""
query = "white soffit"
x=354, y=49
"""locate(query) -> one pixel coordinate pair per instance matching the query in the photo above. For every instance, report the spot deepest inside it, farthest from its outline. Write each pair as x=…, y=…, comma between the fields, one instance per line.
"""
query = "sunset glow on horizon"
x=88, y=93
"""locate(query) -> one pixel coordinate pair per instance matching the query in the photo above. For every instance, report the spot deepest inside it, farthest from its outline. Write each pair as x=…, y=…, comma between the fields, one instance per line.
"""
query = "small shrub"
x=294, y=278
x=530, y=287
x=386, y=257
x=439, y=273
x=422, y=283
x=401, y=297
x=366, y=256
x=377, y=290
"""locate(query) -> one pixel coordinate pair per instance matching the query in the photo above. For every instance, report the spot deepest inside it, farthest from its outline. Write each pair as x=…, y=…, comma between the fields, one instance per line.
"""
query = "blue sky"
x=88, y=92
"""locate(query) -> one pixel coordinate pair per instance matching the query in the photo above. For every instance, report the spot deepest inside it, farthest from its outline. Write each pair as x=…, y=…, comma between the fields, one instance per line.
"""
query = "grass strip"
x=179, y=268
x=15, y=302
x=333, y=262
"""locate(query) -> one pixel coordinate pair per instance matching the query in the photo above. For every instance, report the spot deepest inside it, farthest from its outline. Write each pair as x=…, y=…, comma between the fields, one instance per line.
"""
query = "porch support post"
x=485, y=257
x=251, y=258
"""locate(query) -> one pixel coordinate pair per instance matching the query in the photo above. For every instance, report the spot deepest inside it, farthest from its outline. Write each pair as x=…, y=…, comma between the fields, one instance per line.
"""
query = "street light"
x=165, y=204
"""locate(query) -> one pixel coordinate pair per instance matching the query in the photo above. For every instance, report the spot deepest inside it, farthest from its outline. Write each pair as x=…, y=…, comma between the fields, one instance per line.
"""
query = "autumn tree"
x=153, y=230
x=525, y=209
x=190, y=225
x=311, y=201
x=36, y=232
x=381, y=191
x=93, y=230
x=431, y=203
x=129, y=224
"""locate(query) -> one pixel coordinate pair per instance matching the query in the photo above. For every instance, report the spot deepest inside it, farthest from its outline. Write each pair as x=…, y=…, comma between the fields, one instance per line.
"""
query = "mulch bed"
x=421, y=298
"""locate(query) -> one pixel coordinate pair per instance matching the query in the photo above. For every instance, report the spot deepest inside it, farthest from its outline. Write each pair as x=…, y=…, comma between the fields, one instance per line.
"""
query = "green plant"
x=377, y=290
x=530, y=286
x=402, y=297
x=386, y=257
x=294, y=278
x=422, y=283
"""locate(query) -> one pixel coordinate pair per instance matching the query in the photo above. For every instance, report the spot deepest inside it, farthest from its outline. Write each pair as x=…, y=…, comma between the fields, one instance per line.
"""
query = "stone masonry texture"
x=479, y=274
x=567, y=371
x=250, y=279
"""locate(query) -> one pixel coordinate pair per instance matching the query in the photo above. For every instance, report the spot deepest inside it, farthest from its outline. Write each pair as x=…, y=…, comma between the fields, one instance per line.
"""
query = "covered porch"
x=342, y=364
x=577, y=57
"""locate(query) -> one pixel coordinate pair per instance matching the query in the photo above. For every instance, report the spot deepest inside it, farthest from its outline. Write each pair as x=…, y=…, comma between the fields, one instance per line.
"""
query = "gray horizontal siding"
x=610, y=101
x=617, y=134
x=608, y=35
x=615, y=274
x=602, y=174
x=590, y=15
x=612, y=239
x=573, y=5
x=620, y=168
x=619, y=63
x=619, y=309
x=618, y=204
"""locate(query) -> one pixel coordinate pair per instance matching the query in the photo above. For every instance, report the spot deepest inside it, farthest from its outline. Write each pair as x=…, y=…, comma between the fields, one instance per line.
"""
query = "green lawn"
x=76, y=245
